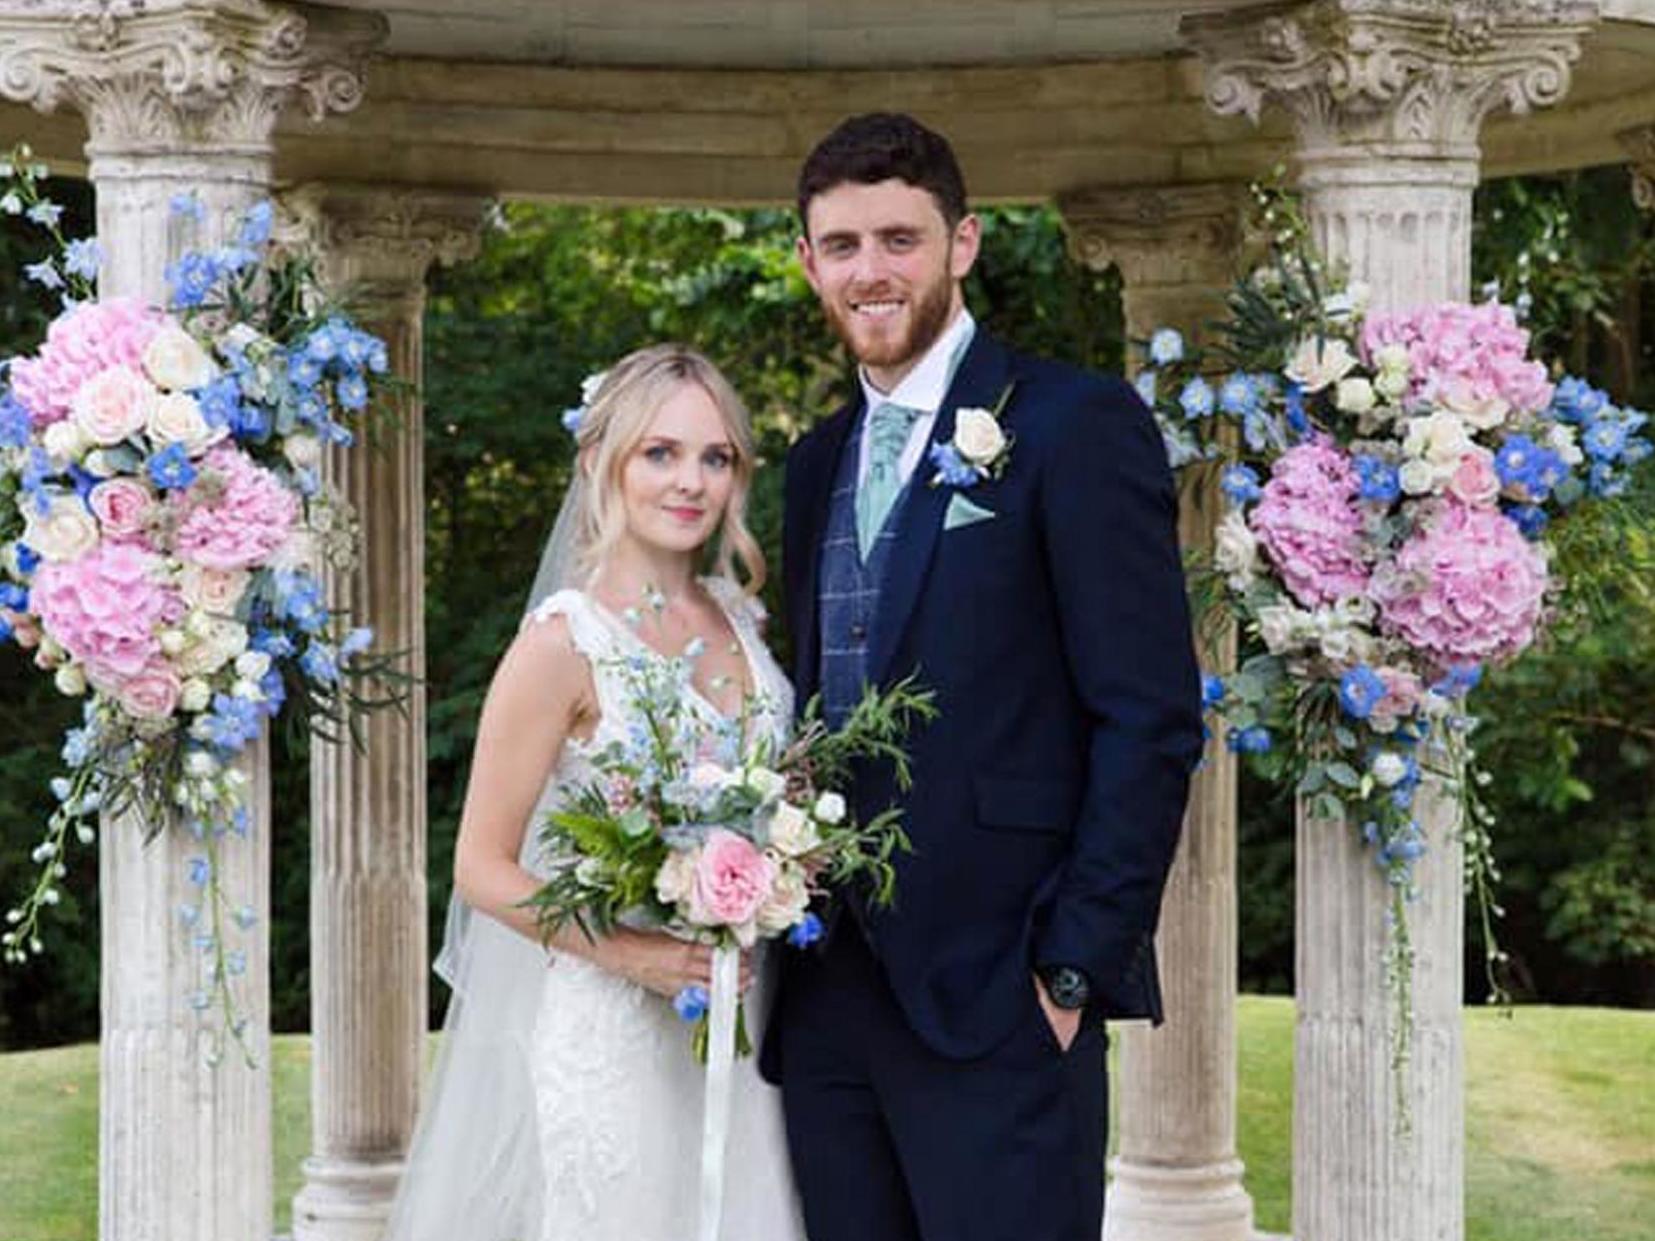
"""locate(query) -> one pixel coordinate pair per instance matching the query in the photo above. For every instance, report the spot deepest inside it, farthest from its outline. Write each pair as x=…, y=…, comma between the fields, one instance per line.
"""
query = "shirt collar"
x=924, y=387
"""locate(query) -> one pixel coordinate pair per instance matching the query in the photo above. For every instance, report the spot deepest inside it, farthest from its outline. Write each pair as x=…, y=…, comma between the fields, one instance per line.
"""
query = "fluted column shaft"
x=368, y=809
x=1388, y=97
x=1640, y=147
x=179, y=98
x=1177, y=1177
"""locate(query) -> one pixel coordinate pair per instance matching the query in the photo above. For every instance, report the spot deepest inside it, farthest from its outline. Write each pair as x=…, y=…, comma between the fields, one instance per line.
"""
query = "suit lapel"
x=814, y=494
x=978, y=383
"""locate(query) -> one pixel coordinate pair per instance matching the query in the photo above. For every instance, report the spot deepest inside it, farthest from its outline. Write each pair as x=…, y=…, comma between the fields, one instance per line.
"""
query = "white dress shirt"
x=922, y=388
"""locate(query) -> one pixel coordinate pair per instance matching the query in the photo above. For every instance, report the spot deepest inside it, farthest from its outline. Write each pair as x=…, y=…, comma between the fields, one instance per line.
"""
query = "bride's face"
x=677, y=480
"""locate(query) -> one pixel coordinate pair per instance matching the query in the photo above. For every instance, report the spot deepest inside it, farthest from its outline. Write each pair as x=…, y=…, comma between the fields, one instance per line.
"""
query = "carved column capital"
x=384, y=235
x=1639, y=144
x=1416, y=77
x=183, y=73
x=1160, y=234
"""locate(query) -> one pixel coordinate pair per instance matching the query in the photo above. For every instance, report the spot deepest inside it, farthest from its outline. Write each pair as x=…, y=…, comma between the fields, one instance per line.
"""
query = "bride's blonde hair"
x=613, y=426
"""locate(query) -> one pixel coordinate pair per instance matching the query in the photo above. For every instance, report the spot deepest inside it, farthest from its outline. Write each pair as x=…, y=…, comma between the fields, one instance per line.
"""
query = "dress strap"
x=587, y=630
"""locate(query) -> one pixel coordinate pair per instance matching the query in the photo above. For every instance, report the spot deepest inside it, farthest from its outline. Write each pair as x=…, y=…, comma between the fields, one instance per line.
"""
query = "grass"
x=1560, y=1131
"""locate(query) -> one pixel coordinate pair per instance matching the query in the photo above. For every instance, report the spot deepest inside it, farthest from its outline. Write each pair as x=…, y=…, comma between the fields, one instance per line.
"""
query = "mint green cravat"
x=888, y=428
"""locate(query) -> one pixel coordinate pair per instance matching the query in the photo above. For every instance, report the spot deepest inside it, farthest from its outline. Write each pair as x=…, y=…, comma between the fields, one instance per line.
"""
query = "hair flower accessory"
x=980, y=449
x=576, y=414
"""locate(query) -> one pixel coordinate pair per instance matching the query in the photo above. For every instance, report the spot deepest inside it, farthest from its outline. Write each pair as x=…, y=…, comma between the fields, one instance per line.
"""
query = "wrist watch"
x=1067, y=986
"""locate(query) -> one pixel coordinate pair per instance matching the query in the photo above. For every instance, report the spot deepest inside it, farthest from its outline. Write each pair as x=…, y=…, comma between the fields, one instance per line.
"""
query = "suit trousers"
x=892, y=1142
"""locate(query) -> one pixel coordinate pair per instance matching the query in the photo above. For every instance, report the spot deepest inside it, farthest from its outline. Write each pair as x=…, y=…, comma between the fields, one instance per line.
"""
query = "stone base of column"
x=345, y=1200
x=1201, y=1203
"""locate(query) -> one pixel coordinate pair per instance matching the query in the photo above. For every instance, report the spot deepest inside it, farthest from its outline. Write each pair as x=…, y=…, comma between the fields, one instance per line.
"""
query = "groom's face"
x=887, y=268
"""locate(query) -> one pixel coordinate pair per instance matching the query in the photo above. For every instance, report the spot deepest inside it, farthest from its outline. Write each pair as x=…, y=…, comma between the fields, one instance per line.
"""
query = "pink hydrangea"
x=89, y=339
x=104, y=609
x=236, y=515
x=1307, y=523
x=1477, y=352
x=1468, y=587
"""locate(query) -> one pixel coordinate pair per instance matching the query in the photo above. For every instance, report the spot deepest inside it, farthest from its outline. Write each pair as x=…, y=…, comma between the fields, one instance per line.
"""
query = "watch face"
x=1067, y=987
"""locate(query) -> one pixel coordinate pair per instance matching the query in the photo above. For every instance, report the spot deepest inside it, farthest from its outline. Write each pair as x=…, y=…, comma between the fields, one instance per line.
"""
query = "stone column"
x=178, y=97
x=1387, y=97
x=368, y=882
x=1177, y=1177
x=1640, y=148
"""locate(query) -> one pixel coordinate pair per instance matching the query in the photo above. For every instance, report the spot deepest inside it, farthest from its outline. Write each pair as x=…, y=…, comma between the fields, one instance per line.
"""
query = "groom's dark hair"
x=878, y=146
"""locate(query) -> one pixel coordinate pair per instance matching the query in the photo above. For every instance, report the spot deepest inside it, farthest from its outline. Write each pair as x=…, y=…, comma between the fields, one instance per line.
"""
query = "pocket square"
x=962, y=512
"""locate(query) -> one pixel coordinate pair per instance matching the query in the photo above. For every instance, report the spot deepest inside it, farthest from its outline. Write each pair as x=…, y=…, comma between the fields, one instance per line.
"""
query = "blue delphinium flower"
x=1238, y=394
x=188, y=206
x=27, y=558
x=232, y=723
x=1458, y=681
x=274, y=690
x=1293, y=401
x=1145, y=385
x=15, y=427
x=170, y=469
x=1196, y=399
x=200, y=870
x=692, y=1003
x=573, y=417
x=1605, y=438
x=44, y=273
x=8, y=631
x=1212, y=691
x=1516, y=461
x=1240, y=484
x=952, y=469
x=1604, y=481
x=79, y=744
x=1530, y=519
x=299, y=600
x=1254, y=740
x=1360, y=690
x=304, y=371
x=255, y=225
x=1575, y=400
x=356, y=641
x=235, y=258
x=1166, y=346
x=272, y=642
x=806, y=931
x=320, y=663
x=45, y=213
x=14, y=596
x=1378, y=481
x=220, y=401
x=352, y=391
x=83, y=257
x=191, y=279
x=37, y=468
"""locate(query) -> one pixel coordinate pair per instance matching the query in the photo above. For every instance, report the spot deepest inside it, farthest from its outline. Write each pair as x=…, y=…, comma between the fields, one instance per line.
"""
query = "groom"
x=942, y=1062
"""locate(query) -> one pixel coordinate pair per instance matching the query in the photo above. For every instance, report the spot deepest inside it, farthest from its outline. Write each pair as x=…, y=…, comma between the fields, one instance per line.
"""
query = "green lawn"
x=1560, y=1127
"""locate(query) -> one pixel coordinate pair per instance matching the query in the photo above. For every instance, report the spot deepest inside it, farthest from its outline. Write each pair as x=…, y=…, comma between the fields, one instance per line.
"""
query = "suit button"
x=858, y=632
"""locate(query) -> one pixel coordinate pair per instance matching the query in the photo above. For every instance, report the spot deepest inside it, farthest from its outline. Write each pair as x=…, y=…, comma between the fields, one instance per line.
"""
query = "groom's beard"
x=927, y=317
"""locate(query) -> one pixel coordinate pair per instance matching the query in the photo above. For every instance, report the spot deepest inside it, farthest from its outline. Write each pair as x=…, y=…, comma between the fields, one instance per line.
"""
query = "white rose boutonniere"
x=979, y=450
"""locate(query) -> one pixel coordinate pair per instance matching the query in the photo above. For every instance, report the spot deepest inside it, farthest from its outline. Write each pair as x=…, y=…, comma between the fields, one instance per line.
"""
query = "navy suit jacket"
x=1049, y=792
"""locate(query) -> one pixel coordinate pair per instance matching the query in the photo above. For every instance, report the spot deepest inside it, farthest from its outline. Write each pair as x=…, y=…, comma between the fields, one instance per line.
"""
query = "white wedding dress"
x=568, y=1105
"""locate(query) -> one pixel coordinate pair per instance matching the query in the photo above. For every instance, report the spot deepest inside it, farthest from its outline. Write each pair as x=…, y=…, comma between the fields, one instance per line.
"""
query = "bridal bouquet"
x=718, y=837
x=1391, y=482
x=162, y=516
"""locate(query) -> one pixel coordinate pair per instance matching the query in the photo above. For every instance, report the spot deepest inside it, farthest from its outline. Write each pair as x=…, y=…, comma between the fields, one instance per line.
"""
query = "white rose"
x=1279, y=627
x=789, y=895
x=1418, y=477
x=712, y=776
x=1315, y=364
x=195, y=695
x=1561, y=440
x=240, y=338
x=176, y=419
x=215, y=590
x=1352, y=300
x=244, y=688
x=174, y=360
x=829, y=808
x=791, y=831
x=217, y=643
x=1440, y=438
x=676, y=879
x=1392, y=385
x=113, y=404
x=298, y=551
x=65, y=531
x=1354, y=396
x=252, y=665
x=1338, y=645
x=64, y=441
x=98, y=464
x=172, y=641
x=1388, y=769
x=766, y=783
x=303, y=452
x=1483, y=413
x=1235, y=550
x=978, y=436
x=70, y=680
x=1393, y=359
x=201, y=764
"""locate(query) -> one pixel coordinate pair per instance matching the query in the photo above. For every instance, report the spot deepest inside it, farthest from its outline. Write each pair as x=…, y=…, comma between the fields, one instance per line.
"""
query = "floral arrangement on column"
x=163, y=520
x=1392, y=485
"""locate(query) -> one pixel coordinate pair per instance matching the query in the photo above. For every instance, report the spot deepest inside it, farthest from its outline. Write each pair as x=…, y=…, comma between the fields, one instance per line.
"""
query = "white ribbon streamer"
x=721, y=1059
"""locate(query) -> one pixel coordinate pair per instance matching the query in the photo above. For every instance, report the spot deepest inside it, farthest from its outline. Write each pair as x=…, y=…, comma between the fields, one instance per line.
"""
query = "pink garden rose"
x=732, y=881
x=104, y=609
x=1466, y=588
x=1473, y=353
x=89, y=339
x=112, y=405
x=153, y=693
x=1474, y=481
x=236, y=515
x=123, y=507
x=1402, y=697
x=1308, y=524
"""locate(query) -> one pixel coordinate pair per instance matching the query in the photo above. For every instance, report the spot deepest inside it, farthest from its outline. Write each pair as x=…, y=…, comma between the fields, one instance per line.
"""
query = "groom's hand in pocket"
x=1065, y=1022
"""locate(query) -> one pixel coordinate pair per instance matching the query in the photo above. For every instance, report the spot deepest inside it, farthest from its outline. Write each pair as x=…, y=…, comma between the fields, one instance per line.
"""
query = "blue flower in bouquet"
x=235, y=258
x=1196, y=399
x=272, y=642
x=1145, y=384
x=200, y=870
x=352, y=391
x=320, y=663
x=1293, y=402
x=1259, y=431
x=232, y=723
x=362, y=349
x=220, y=401
x=952, y=469
x=191, y=279
x=1166, y=346
x=335, y=433
x=15, y=427
x=1360, y=691
x=1530, y=519
x=1575, y=400
x=355, y=642
x=255, y=225
x=1605, y=438
x=14, y=597
x=692, y=1003
x=37, y=468
x=44, y=273
x=79, y=744
x=1458, y=681
x=806, y=931
x=1604, y=481
x=1240, y=484
x=1212, y=691
x=1238, y=395
x=304, y=371
x=45, y=213
x=299, y=600
x=1253, y=740
x=8, y=631
x=83, y=257
x=188, y=206
x=170, y=469
x=274, y=691
x=1377, y=481
x=27, y=558
x=1516, y=460
x=324, y=343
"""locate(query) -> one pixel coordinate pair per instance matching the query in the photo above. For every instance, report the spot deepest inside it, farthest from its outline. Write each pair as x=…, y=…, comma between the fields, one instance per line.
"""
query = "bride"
x=567, y=1104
